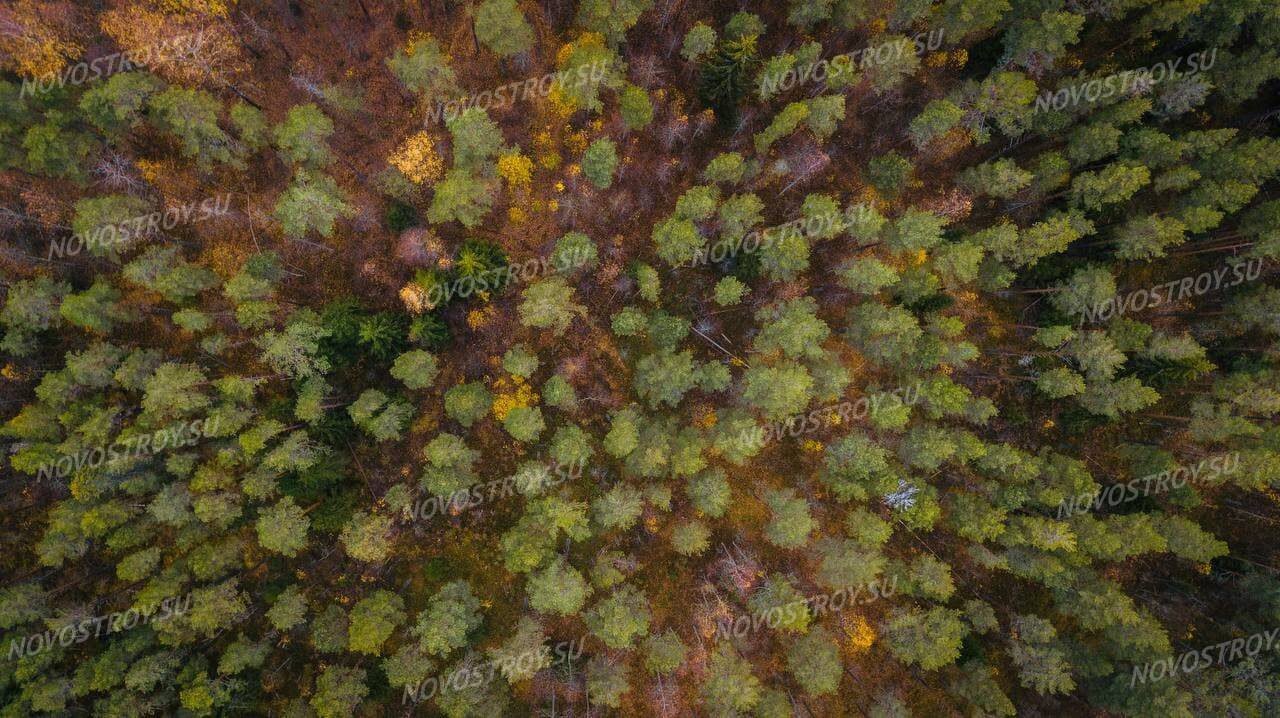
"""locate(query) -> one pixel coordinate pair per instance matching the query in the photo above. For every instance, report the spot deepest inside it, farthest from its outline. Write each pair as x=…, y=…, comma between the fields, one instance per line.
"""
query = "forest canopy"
x=620, y=357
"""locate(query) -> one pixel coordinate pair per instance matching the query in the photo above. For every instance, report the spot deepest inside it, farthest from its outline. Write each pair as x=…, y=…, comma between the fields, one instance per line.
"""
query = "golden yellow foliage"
x=517, y=215
x=417, y=159
x=216, y=8
x=225, y=258
x=34, y=44
x=509, y=393
x=562, y=55
x=149, y=169
x=812, y=445
x=516, y=169
x=414, y=298
x=545, y=147
x=477, y=318
x=180, y=48
x=561, y=104
x=861, y=634
x=575, y=142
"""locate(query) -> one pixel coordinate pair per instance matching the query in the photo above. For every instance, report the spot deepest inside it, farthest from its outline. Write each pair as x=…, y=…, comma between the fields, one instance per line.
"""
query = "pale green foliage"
x=243, y=654
x=462, y=196
x=664, y=377
x=1060, y=382
x=30, y=307
x=729, y=291
x=618, y=508
x=791, y=522
x=383, y=418
x=251, y=125
x=520, y=361
x=558, y=392
x=730, y=687
x=283, y=528
x=709, y=492
x=467, y=403
x=777, y=391
x=449, y=462
x=558, y=588
x=303, y=136
x=589, y=66
x=338, y=691
x=1035, y=43
x=636, y=107
x=612, y=18
x=1042, y=663
x=416, y=369
x=791, y=327
x=450, y=615
x=664, y=652
x=784, y=123
x=502, y=28
x=930, y=639
x=743, y=24
x=937, y=118
x=407, y=667
x=697, y=42
x=782, y=603
x=570, y=445
x=620, y=618
x=373, y=619
x=192, y=115
x=624, y=433
x=548, y=304
x=289, y=609
x=814, y=660
x=599, y=162
x=524, y=423
x=607, y=681
x=648, y=284
x=574, y=250
x=846, y=563
x=423, y=68
x=365, y=537
x=117, y=104
x=476, y=139
x=727, y=168
x=311, y=203
x=690, y=538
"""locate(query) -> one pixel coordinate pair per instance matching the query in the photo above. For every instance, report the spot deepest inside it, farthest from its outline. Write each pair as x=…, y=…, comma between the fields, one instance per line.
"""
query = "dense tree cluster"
x=817, y=359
